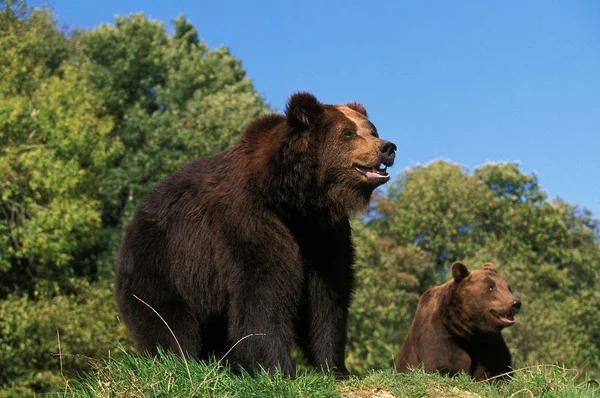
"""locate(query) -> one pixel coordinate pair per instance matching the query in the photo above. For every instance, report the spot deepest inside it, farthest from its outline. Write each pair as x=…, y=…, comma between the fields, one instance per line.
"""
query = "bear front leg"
x=324, y=332
x=447, y=359
x=492, y=359
x=264, y=301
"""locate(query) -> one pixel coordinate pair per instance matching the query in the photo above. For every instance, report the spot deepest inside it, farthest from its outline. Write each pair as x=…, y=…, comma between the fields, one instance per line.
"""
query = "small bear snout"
x=388, y=152
x=516, y=305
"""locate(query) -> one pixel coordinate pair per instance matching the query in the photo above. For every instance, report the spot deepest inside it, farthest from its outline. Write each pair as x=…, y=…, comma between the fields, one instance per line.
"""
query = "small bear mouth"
x=378, y=172
x=505, y=319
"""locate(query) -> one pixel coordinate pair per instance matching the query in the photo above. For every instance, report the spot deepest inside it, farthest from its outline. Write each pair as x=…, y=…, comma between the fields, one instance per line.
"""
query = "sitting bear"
x=255, y=242
x=457, y=325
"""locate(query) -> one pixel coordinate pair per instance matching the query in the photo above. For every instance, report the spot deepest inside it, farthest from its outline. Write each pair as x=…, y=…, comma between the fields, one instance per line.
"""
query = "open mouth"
x=506, y=319
x=378, y=172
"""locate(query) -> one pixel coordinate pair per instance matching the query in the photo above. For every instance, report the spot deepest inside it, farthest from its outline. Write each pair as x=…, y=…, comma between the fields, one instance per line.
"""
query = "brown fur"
x=456, y=327
x=255, y=239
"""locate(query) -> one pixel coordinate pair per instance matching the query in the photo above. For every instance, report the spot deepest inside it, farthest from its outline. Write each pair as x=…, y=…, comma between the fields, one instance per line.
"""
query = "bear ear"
x=489, y=267
x=303, y=111
x=459, y=271
x=358, y=108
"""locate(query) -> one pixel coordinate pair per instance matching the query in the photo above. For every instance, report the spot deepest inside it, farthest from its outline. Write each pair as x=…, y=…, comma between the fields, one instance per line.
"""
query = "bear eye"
x=491, y=288
x=348, y=133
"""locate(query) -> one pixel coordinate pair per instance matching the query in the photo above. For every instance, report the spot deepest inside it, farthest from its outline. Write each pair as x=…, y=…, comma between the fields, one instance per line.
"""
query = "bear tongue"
x=507, y=319
x=376, y=174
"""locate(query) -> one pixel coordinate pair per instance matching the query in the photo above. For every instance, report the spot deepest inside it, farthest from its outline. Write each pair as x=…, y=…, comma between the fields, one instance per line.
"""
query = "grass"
x=143, y=376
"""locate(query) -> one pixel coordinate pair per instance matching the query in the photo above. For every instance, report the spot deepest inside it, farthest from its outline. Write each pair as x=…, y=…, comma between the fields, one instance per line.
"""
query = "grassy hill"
x=169, y=376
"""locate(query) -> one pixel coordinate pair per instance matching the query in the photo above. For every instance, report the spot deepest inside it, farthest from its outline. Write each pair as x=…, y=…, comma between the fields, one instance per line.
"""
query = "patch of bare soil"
x=354, y=392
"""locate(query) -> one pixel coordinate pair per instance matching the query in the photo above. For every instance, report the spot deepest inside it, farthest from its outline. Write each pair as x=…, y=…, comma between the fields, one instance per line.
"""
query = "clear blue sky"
x=467, y=81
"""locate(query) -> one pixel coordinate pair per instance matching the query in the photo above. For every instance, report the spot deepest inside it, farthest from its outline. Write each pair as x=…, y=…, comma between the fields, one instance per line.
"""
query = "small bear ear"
x=303, y=111
x=355, y=106
x=489, y=267
x=459, y=271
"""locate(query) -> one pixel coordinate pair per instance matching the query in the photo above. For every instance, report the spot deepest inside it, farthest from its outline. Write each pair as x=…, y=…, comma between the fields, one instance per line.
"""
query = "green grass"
x=139, y=376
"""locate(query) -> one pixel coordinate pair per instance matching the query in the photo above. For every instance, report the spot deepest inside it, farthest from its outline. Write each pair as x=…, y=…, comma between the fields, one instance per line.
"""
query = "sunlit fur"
x=454, y=328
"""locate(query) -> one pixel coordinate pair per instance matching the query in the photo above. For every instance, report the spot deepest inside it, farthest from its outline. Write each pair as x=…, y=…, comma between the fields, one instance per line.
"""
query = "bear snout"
x=387, y=152
x=515, y=306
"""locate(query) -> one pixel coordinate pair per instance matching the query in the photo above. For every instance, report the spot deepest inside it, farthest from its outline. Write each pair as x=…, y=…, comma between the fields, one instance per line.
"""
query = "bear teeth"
x=508, y=318
x=380, y=169
x=373, y=172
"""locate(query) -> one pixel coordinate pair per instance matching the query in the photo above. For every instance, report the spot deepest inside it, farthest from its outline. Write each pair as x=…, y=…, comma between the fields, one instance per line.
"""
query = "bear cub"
x=457, y=325
x=253, y=245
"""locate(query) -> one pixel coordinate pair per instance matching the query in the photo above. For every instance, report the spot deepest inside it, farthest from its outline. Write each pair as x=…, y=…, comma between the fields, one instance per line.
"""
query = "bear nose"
x=516, y=305
x=388, y=151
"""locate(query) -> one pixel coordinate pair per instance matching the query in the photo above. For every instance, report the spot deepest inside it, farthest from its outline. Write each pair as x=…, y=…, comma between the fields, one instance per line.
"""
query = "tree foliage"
x=48, y=338
x=54, y=147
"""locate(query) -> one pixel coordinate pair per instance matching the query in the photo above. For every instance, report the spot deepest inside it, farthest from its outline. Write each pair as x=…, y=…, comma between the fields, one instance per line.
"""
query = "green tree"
x=83, y=323
x=389, y=280
x=53, y=148
x=31, y=47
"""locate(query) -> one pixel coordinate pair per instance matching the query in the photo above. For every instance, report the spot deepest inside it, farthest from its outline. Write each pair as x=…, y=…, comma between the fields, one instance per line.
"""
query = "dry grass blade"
x=174, y=337
x=227, y=353
x=520, y=391
x=531, y=367
x=67, y=387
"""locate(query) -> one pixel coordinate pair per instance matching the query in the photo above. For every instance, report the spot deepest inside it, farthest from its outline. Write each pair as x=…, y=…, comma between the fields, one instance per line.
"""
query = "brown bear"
x=256, y=240
x=457, y=325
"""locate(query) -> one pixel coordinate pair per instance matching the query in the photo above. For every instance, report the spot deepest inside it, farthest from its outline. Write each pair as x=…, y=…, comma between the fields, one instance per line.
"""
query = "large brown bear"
x=457, y=325
x=256, y=240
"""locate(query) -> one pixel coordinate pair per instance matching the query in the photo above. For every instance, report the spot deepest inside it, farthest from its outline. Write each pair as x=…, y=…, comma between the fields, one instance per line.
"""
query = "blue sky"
x=468, y=81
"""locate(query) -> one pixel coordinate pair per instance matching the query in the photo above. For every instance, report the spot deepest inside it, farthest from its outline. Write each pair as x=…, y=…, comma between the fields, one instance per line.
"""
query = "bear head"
x=340, y=150
x=484, y=298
